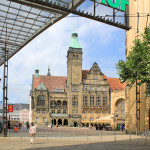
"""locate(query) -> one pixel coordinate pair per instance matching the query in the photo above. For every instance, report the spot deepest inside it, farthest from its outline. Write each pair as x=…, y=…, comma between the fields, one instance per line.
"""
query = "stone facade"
x=82, y=97
x=137, y=27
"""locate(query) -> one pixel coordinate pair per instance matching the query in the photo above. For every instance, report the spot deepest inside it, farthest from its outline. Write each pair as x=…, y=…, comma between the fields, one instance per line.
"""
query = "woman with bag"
x=32, y=132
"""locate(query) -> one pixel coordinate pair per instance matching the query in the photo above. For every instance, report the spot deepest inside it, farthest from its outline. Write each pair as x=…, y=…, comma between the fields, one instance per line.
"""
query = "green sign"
x=116, y=4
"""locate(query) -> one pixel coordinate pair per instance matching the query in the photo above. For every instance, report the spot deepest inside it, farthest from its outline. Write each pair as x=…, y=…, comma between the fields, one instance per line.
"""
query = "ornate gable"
x=41, y=87
x=95, y=70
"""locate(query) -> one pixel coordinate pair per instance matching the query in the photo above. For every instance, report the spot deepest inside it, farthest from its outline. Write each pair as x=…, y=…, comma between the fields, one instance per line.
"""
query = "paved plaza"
x=74, y=139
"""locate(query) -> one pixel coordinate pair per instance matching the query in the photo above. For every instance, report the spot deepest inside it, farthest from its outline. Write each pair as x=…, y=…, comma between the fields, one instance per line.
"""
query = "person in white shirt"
x=32, y=132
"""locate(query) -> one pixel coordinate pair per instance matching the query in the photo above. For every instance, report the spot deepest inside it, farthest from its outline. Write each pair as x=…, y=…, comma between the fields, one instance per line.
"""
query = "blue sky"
x=101, y=43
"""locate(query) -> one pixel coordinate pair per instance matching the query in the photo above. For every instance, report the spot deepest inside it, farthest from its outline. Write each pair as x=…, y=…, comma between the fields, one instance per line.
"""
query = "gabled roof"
x=50, y=82
x=114, y=83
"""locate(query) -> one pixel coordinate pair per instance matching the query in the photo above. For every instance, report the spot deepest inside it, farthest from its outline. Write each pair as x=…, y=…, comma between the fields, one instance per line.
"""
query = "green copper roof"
x=74, y=41
x=41, y=87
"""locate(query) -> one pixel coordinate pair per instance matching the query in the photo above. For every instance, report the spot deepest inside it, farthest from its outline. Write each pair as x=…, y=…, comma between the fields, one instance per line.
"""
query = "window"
x=85, y=112
x=38, y=111
x=91, y=112
x=43, y=111
x=95, y=77
x=53, y=104
x=148, y=89
x=73, y=111
x=75, y=56
x=64, y=104
x=37, y=119
x=58, y=111
x=91, y=100
x=74, y=101
x=92, y=88
x=58, y=103
x=85, y=88
x=85, y=119
x=98, y=89
x=105, y=112
x=98, y=100
x=85, y=100
x=58, y=90
x=41, y=100
x=91, y=118
x=104, y=101
x=44, y=119
x=104, y=88
x=122, y=112
x=97, y=118
x=64, y=111
x=98, y=112
x=53, y=111
x=76, y=111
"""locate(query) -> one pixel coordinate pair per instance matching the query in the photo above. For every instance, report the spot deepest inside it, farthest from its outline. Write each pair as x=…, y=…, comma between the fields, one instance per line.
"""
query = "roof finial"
x=49, y=74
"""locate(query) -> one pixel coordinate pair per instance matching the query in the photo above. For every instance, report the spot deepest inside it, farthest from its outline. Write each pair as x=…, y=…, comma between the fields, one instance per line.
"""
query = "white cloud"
x=51, y=47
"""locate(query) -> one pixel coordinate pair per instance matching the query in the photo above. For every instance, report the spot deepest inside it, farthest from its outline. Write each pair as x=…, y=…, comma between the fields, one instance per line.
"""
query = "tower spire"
x=48, y=74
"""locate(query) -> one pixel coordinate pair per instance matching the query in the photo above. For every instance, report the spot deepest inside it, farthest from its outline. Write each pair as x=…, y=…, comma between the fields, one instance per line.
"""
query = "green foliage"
x=137, y=66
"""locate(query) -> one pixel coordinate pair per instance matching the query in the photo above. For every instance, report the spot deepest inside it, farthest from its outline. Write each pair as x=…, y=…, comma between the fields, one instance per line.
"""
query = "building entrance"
x=75, y=124
x=65, y=122
x=54, y=122
x=59, y=122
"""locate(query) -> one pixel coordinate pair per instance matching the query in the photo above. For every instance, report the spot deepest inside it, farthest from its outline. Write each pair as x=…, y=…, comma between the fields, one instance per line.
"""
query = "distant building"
x=20, y=112
x=82, y=97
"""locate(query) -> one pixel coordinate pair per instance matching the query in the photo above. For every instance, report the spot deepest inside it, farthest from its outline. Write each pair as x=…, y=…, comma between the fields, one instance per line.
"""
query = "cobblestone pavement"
x=43, y=144
x=74, y=139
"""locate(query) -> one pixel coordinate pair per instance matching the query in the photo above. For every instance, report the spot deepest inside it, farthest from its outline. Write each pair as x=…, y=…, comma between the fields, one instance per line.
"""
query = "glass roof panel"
x=21, y=21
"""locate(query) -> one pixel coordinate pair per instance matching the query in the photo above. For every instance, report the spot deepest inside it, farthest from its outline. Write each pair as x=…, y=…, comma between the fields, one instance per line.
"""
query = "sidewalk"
x=76, y=143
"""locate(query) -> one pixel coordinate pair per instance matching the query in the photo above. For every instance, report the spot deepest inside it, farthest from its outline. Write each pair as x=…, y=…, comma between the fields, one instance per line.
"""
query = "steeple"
x=74, y=46
x=48, y=74
x=74, y=41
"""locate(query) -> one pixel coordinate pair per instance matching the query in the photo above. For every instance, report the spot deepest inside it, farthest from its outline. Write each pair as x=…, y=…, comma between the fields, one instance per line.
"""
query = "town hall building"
x=84, y=96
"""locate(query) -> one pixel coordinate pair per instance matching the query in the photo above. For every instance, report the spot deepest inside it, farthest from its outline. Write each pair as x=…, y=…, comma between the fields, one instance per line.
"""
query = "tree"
x=137, y=65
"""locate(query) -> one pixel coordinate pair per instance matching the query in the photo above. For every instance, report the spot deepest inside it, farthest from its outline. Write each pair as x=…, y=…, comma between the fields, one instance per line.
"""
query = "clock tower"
x=74, y=78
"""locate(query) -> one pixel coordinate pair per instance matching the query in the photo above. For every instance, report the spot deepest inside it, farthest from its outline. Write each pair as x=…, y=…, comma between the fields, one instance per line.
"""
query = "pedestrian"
x=118, y=127
x=27, y=124
x=122, y=128
x=16, y=124
x=51, y=126
x=32, y=132
x=0, y=127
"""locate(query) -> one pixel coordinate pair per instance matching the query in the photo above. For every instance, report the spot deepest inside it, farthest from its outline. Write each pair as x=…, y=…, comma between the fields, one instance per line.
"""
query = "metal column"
x=5, y=91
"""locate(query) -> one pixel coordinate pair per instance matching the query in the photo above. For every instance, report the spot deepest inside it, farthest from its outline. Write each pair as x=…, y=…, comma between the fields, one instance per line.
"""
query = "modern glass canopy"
x=22, y=20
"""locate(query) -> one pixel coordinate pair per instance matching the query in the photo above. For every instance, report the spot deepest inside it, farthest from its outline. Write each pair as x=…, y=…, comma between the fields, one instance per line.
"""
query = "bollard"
x=21, y=133
x=115, y=135
x=101, y=135
x=87, y=135
x=130, y=137
x=73, y=134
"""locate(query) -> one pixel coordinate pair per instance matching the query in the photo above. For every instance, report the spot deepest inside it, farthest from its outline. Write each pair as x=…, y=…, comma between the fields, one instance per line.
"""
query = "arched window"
x=41, y=100
x=64, y=104
x=59, y=103
x=44, y=119
x=37, y=119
